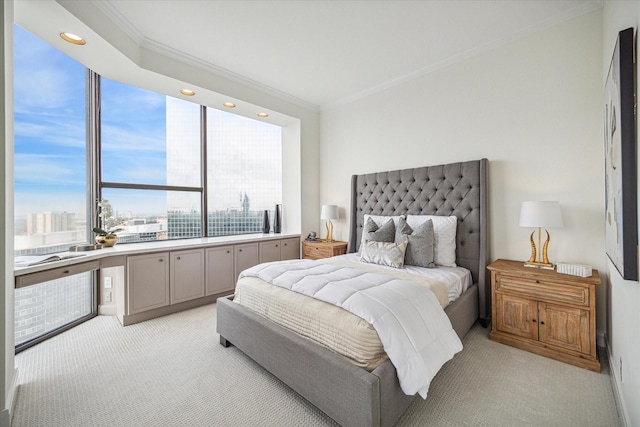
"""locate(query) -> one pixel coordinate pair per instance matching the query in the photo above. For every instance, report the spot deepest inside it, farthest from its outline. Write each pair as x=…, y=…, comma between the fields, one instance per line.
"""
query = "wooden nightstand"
x=323, y=249
x=545, y=312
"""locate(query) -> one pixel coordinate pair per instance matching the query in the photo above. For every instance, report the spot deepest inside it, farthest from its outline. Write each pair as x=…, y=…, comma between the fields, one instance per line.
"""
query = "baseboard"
x=5, y=414
x=617, y=393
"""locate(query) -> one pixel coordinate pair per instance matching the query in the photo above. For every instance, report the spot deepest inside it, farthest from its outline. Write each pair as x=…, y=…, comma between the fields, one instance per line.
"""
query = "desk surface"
x=150, y=247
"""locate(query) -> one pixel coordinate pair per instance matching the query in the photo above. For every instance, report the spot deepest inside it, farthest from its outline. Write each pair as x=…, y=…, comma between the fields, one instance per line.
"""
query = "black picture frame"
x=621, y=216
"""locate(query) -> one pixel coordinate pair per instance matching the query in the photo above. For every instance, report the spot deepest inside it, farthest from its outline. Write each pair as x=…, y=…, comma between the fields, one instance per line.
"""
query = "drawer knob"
x=534, y=320
x=178, y=257
x=542, y=323
x=160, y=260
x=537, y=281
x=65, y=272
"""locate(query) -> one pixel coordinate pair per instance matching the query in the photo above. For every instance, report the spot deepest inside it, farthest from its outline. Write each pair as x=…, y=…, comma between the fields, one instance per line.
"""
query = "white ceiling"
x=316, y=53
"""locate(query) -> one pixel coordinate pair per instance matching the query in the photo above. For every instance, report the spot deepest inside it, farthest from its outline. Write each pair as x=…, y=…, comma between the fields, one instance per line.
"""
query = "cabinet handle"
x=239, y=250
x=542, y=323
x=65, y=272
x=178, y=257
x=227, y=251
x=537, y=281
x=276, y=246
x=534, y=320
x=160, y=260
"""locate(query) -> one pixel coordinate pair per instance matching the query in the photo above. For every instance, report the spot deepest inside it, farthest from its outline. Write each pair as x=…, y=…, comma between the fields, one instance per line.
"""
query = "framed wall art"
x=621, y=216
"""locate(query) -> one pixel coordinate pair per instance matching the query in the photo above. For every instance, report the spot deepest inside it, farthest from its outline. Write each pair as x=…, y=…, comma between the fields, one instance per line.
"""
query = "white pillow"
x=384, y=253
x=380, y=220
x=444, y=232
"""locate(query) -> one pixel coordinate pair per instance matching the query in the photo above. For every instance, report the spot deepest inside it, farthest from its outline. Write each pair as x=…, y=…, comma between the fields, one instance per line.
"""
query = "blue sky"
x=49, y=111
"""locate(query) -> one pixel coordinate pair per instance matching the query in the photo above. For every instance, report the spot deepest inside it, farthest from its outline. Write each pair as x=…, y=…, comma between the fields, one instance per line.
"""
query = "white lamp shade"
x=540, y=214
x=329, y=212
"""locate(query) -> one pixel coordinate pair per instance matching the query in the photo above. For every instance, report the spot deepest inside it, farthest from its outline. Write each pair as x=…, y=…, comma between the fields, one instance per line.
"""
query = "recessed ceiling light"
x=72, y=38
x=187, y=92
x=263, y=115
x=229, y=105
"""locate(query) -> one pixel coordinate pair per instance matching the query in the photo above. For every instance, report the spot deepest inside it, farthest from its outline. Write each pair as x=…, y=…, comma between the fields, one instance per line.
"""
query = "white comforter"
x=414, y=330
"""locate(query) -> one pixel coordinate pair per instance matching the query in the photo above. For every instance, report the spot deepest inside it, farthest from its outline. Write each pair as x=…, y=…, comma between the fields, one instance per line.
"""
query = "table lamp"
x=540, y=214
x=329, y=212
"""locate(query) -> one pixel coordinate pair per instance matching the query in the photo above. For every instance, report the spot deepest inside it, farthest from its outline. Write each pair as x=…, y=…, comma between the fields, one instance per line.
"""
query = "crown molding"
x=107, y=8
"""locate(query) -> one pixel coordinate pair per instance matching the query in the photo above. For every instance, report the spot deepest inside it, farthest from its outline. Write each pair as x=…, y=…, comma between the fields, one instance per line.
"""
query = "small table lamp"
x=540, y=214
x=329, y=212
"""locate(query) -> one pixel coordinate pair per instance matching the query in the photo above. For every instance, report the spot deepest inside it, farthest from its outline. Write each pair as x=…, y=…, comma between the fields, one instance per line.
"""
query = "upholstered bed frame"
x=349, y=394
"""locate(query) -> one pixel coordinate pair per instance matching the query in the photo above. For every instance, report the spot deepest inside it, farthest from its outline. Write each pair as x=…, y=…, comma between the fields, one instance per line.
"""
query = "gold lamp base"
x=329, y=226
x=535, y=260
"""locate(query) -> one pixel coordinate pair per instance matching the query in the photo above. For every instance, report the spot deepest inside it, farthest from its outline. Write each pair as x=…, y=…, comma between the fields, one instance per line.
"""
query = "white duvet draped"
x=414, y=330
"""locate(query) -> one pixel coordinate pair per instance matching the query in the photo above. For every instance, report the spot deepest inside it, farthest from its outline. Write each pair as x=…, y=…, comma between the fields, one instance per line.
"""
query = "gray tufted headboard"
x=458, y=189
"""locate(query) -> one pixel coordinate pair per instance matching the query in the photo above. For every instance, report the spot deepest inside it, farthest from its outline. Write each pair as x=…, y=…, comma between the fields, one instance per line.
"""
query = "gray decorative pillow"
x=371, y=231
x=421, y=242
x=384, y=253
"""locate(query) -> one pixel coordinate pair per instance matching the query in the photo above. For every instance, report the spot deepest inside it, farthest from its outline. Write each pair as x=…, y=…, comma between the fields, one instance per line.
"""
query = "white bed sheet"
x=457, y=279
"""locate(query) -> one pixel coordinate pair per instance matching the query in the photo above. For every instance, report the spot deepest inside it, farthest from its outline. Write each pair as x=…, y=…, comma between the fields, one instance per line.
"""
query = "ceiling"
x=323, y=53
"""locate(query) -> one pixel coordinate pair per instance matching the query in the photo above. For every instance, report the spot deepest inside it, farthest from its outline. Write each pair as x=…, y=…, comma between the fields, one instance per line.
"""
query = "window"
x=46, y=307
x=151, y=164
x=50, y=183
x=50, y=148
x=244, y=172
x=151, y=161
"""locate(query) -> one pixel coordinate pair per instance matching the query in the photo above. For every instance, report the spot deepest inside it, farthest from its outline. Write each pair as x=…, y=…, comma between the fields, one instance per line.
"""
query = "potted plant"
x=106, y=238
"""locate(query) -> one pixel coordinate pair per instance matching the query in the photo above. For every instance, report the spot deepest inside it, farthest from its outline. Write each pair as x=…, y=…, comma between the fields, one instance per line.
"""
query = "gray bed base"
x=348, y=394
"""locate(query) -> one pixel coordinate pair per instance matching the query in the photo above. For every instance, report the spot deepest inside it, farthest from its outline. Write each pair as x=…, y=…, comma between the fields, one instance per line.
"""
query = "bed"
x=352, y=395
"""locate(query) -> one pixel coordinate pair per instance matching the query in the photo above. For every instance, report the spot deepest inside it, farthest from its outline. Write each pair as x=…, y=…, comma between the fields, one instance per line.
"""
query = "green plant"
x=100, y=232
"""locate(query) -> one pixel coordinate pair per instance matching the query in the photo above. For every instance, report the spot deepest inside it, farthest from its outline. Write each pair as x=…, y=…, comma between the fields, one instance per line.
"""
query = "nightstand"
x=545, y=312
x=323, y=249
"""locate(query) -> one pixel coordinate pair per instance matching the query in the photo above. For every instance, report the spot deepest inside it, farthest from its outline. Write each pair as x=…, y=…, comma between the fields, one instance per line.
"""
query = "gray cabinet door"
x=187, y=275
x=220, y=272
x=270, y=251
x=245, y=256
x=290, y=248
x=148, y=282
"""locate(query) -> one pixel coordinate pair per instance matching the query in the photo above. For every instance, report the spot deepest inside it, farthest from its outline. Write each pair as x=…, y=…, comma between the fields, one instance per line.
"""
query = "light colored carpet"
x=172, y=371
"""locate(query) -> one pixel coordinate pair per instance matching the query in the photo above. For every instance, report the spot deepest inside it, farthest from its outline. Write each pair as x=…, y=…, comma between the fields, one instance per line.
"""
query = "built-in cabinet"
x=165, y=282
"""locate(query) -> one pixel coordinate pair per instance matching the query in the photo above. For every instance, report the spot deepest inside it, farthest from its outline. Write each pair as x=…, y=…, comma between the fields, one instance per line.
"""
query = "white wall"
x=7, y=365
x=624, y=296
x=531, y=107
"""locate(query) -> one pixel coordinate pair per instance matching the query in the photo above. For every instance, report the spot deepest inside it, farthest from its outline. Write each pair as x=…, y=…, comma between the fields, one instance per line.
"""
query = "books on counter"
x=29, y=260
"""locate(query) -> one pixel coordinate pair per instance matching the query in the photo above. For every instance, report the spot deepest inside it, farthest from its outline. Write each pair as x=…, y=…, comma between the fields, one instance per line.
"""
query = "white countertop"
x=150, y=247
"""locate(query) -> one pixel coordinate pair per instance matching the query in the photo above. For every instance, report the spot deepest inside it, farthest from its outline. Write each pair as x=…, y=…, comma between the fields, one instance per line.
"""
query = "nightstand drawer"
x=316, y=252
x=323, y=249
x=542, y=290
